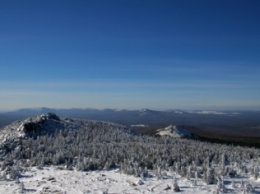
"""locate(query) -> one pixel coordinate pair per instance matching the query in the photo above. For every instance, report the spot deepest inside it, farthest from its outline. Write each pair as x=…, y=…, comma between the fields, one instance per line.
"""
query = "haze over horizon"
x=179, y=54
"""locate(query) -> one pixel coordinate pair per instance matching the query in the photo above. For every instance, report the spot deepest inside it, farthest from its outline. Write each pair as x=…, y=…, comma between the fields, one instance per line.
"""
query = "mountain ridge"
x=213, y=124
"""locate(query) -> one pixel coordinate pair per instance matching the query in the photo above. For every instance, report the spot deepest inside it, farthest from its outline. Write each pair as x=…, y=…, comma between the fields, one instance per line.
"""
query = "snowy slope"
x=55, y=180
x=47, y=154
x=174, y=131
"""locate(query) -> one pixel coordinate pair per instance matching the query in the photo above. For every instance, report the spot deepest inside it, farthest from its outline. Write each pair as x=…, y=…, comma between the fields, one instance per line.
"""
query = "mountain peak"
x=174, y=131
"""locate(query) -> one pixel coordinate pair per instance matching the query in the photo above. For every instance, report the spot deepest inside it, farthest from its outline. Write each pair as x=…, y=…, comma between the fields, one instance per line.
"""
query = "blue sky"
x=130, y=54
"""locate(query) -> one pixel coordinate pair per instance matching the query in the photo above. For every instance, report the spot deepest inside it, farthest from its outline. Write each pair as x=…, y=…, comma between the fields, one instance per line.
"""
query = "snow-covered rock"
x=174, y=131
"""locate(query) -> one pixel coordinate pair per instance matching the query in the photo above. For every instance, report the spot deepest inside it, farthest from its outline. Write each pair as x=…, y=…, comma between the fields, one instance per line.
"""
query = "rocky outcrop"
x=40, y=125
x=174, y=131
x=34, y=125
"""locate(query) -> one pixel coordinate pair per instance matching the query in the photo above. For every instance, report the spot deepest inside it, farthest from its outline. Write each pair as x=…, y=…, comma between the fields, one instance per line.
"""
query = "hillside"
x=216, y=124
x=86, y=145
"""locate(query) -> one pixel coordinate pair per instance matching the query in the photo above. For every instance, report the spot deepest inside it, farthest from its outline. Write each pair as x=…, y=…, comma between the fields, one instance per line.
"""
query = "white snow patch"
x=210, y=112
x=173, y=131
x=139, y=125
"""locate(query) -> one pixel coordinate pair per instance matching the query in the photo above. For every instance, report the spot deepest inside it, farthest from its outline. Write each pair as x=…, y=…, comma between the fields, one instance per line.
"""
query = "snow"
x=144, y=110
x=173, y=131
x=139, y=125
x=52, y=179
x=56, y=180
x=209, y=112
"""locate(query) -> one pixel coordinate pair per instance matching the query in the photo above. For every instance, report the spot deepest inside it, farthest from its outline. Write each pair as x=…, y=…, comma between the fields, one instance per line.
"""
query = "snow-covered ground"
x=63, y=143
x=55, y=180
x=173, y=131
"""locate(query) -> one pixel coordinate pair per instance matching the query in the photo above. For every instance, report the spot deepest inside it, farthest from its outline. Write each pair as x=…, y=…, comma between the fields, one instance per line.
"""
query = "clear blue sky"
x=130, y=54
